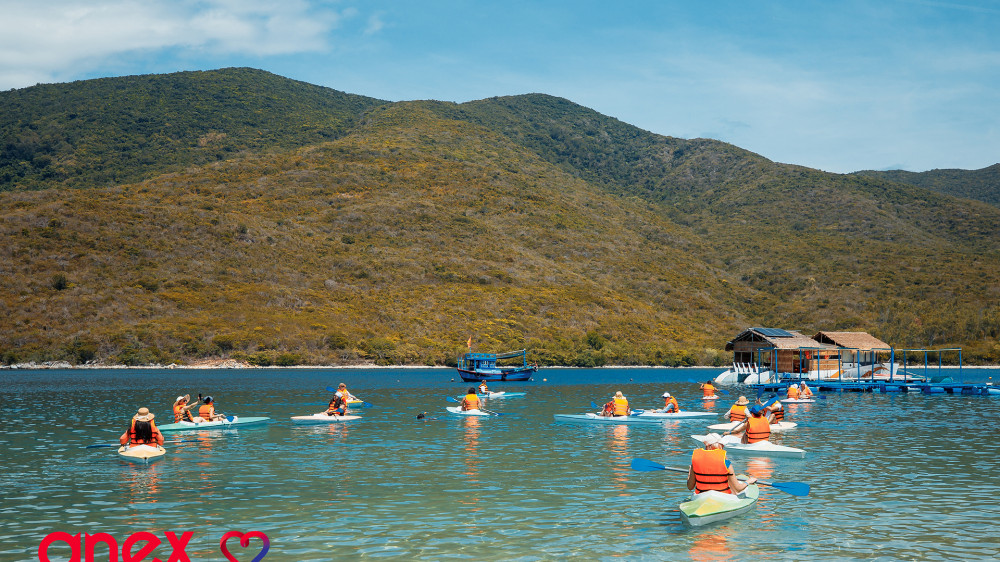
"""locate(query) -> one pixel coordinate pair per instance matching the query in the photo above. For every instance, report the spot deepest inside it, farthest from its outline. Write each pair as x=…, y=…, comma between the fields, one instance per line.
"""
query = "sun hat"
x=742, y=401
x=794, y=385
x=619, y=394
x=666, y=395
x=143, y=415
x=712, y=439
x=186, y=398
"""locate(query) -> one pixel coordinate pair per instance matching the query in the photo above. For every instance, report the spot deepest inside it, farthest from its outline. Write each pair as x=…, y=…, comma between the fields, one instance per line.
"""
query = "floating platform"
x=887, y=386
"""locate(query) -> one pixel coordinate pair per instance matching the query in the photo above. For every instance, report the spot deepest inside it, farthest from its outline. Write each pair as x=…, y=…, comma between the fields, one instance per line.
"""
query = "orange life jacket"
x=708, y=389
x=779, y=414
x=180, y=414
x=738, y=413
x=793, y=392
x=758, y=429
x=621, y=407
x=207, y=411
x=804, y=392
x=157, y=438
x=668, y=401
x=471, y=402
x=710, y=471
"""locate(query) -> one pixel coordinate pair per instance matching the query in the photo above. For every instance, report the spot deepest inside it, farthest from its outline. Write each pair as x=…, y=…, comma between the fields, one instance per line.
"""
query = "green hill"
x=394, y=231
x=982, y=185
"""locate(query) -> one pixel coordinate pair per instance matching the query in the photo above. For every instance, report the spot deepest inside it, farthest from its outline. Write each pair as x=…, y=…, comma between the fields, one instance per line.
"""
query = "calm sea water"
x=894, y=477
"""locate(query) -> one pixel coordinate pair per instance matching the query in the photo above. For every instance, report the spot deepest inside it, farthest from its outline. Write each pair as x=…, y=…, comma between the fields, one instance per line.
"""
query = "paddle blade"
x=793, y=488
x=722, y=390
x=594, y=405
x=102, y=445
x=644, y=465
x=331, y=389
x=450, y=399
x=367, y=404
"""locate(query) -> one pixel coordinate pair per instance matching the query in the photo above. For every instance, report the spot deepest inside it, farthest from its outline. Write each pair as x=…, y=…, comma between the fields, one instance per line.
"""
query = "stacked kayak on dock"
x=322, y=418
x=760, y=448
x=711, y=506
x=141, y=453
x=229, y=422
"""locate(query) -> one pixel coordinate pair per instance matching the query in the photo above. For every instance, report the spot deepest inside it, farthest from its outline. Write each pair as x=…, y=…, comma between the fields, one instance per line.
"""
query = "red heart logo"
x=244, y=542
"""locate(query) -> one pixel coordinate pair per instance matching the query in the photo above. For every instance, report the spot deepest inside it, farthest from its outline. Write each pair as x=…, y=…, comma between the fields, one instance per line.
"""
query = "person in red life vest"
x=207, y=411
x=471, y=400
x=711, y=470
x=670, y=403
x=182, y=410
x=142, y=430
x=617, y=406
x=793, y=391
x=708, y=390
x=337, y=406
x=757, y=427
x=805, y=391
x=738, y=411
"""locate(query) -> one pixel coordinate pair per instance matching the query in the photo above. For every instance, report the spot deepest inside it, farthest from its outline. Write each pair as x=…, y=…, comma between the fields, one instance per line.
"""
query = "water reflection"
x=619, y=456
x=710, y=546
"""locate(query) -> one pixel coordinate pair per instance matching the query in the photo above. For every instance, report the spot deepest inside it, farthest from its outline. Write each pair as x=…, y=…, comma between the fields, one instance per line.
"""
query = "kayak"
x=712, y=506
x=141, y=453
x=322, y=418
x=595, y=418
x=672, y=415
x=760, y=448
x=797, y=400
x=221, y=424
x=775, y=427
x=502, y=394
x=458, y=410
x=712, y=397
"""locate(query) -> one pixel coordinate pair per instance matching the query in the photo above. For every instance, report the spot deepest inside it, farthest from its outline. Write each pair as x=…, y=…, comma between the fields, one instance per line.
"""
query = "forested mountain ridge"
x=982, y=185
x=394, y=231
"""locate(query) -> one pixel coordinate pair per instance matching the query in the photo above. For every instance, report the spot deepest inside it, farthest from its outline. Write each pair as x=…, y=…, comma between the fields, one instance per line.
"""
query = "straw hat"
x=143, y=415
x=619, y=394
x=666, y=395
x=186, y=398
x=742, y=401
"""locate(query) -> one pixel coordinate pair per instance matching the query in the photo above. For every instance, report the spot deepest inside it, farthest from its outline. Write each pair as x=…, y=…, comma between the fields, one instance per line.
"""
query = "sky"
x=839, y=86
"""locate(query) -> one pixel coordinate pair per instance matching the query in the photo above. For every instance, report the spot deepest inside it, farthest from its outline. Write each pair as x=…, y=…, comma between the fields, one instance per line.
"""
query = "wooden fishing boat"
x=711, y=506
x=228, y=423
x=141, y=453
x=479, y=367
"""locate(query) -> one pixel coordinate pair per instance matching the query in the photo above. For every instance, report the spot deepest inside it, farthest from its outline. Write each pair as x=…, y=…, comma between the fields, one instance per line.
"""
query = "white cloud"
x=43, y=45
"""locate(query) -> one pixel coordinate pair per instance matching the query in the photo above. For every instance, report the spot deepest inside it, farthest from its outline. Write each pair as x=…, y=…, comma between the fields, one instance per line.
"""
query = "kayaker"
x=805, y=391
x=483, y=389
x=711, y=470
x=471, y=400
x=708, y=390
x=344, y=393
x=182, y=410
x=793, y=391
x=670, y=403
x=619, y=405
x=738, y=411
x=142, y=430
x=337, y=406
x=207, y=411
x=776, y=412
x=757, y=427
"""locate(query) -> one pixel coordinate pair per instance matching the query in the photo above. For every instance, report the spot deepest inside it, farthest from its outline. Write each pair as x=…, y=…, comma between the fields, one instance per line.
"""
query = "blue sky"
x=840, y=86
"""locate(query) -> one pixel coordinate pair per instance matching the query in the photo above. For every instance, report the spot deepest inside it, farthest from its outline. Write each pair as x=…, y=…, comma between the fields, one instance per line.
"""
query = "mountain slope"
x=981, y=185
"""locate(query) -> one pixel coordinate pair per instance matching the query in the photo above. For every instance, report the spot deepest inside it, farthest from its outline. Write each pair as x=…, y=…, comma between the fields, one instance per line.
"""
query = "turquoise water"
x=894, y=477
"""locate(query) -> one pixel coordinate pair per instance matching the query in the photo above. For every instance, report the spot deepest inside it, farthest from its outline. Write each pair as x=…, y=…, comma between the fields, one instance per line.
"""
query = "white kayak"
x=596, y=418
x=459, y=411
x=711, y=506
x=501, y=394
x=775, y=427
x=797, y=400
x=230, y=422
x=712, y=397
x=321, y=418
x=141, y=453
x=672, y=415
x=760, y=448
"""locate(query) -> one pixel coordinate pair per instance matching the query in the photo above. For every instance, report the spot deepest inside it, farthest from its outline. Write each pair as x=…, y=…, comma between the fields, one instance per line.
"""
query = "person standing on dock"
x=670, y=403
x=710, y=470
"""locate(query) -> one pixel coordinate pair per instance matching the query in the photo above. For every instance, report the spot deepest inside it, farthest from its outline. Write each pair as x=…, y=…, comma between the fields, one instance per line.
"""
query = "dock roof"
x=779, y=339
x=851, y=340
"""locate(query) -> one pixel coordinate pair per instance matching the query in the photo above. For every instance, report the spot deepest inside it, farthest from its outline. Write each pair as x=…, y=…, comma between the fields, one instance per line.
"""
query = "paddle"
x=490, y=412
x=363, y=403
x=717, y=389
x=793, y=488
